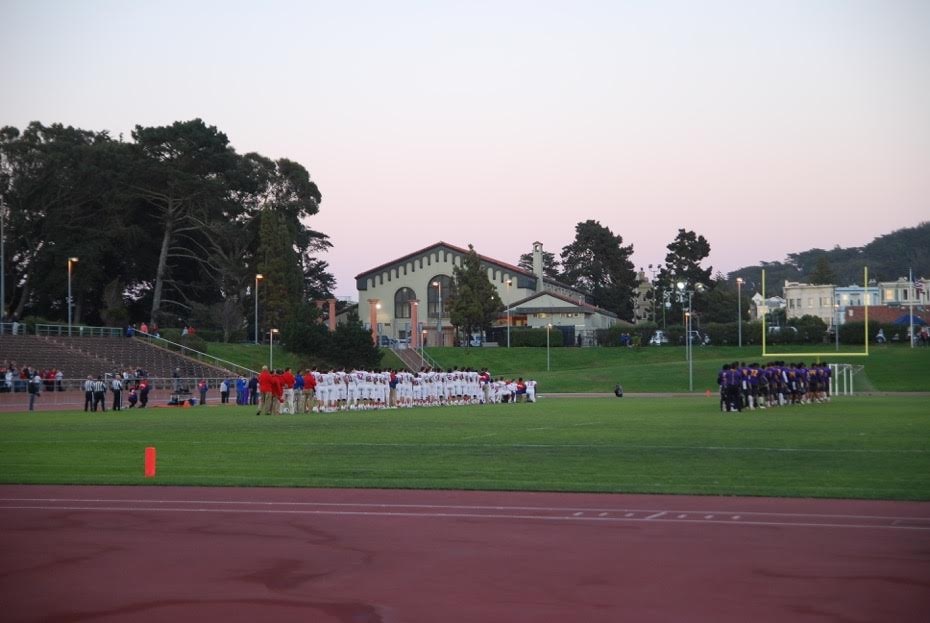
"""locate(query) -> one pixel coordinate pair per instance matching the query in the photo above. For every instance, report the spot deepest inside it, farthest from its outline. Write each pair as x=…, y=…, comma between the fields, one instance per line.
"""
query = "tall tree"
x=598, y=263
x=683, y=260
x=551, y=267
x=474, y=304
x=182, y=169
x=683, y=265
x=823, y=274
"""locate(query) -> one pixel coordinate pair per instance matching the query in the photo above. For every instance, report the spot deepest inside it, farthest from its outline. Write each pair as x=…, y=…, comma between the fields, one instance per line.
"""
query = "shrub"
x=535, y=337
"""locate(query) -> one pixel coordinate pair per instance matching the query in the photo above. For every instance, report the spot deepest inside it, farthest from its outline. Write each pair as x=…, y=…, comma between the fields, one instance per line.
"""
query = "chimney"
x=538, y=265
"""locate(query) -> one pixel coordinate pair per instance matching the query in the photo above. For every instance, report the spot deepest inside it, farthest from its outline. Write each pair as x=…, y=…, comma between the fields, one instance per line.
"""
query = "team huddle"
x=772, y=385
x=337, y=390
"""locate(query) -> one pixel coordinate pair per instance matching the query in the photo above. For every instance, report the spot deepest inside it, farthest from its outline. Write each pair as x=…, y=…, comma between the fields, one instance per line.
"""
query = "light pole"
x=423, y=349
x=257, y=278
x=438, y=313
x=685, y=293
x=271, y=333
x=377, y=327
x=71, y=260
x=509, y=283
x=739, y=309
x=548, y=327
x=836, y=326
x=2, y=265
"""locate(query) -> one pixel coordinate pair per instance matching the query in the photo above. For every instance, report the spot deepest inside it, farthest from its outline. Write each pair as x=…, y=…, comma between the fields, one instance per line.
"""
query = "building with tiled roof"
x=407, y=298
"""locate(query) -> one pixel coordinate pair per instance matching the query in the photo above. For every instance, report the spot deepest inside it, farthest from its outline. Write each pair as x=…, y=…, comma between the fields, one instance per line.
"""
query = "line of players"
x=336, y=390
x=772, y=385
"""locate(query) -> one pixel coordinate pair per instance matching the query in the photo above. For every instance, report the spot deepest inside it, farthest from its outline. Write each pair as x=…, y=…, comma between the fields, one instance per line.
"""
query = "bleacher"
x=78, y=357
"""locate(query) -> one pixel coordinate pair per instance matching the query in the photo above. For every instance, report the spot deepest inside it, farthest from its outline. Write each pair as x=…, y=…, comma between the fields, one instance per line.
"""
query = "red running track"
x=358, y=556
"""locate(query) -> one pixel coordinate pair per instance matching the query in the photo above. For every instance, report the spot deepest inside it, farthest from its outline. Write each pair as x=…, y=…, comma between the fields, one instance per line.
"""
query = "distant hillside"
x=888, y=257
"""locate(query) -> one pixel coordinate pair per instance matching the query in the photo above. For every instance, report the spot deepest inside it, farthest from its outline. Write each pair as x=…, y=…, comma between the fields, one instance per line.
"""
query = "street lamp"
x=438, y=314
x=836, y=326
x=423, y=348
x=71, y=260
x=739, y=309
x=685, y=293
x=509, y=283
x=548, y=327
x=257, y=278
x=271, y=333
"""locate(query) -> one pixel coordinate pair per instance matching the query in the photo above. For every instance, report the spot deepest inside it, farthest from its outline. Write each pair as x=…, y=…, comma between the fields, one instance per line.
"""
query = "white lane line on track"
x=656, y=515
x=630, y=512
x=789, y=524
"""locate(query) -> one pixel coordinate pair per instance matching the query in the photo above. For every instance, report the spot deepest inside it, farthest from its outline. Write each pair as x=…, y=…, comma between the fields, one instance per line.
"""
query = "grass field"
x=851, y=448
x=893, y=368
x=665, y=369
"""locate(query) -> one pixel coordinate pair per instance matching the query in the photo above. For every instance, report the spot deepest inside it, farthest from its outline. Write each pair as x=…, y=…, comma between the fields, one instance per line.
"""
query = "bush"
x=535, y=337
x=639, y=334
x=196, y=341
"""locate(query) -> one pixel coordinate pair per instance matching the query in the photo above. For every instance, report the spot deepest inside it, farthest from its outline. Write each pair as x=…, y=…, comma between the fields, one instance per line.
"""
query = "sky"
x=767, y=127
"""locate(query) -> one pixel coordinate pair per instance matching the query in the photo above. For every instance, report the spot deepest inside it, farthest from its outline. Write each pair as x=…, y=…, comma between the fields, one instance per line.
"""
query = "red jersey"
x=264, y=381
x=287, y=379
x=309, y=381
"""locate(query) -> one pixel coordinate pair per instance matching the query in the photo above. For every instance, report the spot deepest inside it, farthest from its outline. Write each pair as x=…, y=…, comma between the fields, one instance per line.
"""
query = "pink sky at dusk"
x=767, y=127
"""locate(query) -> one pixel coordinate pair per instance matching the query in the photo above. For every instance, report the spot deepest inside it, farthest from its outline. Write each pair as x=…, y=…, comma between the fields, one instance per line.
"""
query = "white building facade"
x=407, y=298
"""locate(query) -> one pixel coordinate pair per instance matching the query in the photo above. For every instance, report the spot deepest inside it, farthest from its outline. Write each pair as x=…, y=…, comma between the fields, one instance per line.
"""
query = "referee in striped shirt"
x=100, y=391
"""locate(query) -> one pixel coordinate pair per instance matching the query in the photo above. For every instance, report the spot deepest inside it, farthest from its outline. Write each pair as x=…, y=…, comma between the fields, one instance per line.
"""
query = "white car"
x=658, y=338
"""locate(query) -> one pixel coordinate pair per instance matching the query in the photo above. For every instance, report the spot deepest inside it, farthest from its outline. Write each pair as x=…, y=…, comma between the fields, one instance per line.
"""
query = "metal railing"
x=198, y=355
x=12, y=328
x=61, y=330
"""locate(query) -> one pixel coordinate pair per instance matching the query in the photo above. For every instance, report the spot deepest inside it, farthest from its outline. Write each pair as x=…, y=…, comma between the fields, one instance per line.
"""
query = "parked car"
x=697, y=338
x=658, y=338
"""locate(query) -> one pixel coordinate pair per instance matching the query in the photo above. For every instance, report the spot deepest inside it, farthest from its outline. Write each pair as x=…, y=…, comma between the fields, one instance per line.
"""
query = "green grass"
x=852, y=448
x=890, y=368
x=665, y=368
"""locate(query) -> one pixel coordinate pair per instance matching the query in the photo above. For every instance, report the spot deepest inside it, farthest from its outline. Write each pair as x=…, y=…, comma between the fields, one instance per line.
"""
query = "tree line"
x=171, y=227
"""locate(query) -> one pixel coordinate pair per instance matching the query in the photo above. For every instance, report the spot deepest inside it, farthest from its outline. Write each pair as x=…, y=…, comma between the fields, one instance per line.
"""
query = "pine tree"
x=474, y=303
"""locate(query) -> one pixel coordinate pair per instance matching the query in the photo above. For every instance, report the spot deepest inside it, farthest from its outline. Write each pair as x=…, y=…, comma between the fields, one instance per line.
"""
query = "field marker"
x=150, y=462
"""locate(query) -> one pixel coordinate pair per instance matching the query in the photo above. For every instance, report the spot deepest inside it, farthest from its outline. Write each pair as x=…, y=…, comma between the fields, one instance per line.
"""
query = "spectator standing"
x=253, y=390
x=35, y=389
x=59, y=377
x=202, y=387
x=224, y=392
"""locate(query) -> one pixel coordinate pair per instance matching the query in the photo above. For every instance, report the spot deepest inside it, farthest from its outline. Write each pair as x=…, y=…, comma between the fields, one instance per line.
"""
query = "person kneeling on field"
x=618, y=391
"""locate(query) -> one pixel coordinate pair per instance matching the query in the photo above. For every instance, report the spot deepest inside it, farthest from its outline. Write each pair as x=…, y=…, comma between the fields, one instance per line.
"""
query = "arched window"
x=402, y=300
x=433, y=294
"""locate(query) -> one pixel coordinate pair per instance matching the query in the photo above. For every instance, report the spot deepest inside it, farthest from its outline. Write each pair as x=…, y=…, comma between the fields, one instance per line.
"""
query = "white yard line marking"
x=466, y=507
x=458, y=516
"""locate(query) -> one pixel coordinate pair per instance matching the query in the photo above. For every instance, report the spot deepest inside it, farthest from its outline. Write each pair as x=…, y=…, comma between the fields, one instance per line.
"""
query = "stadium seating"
x=78, y=357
